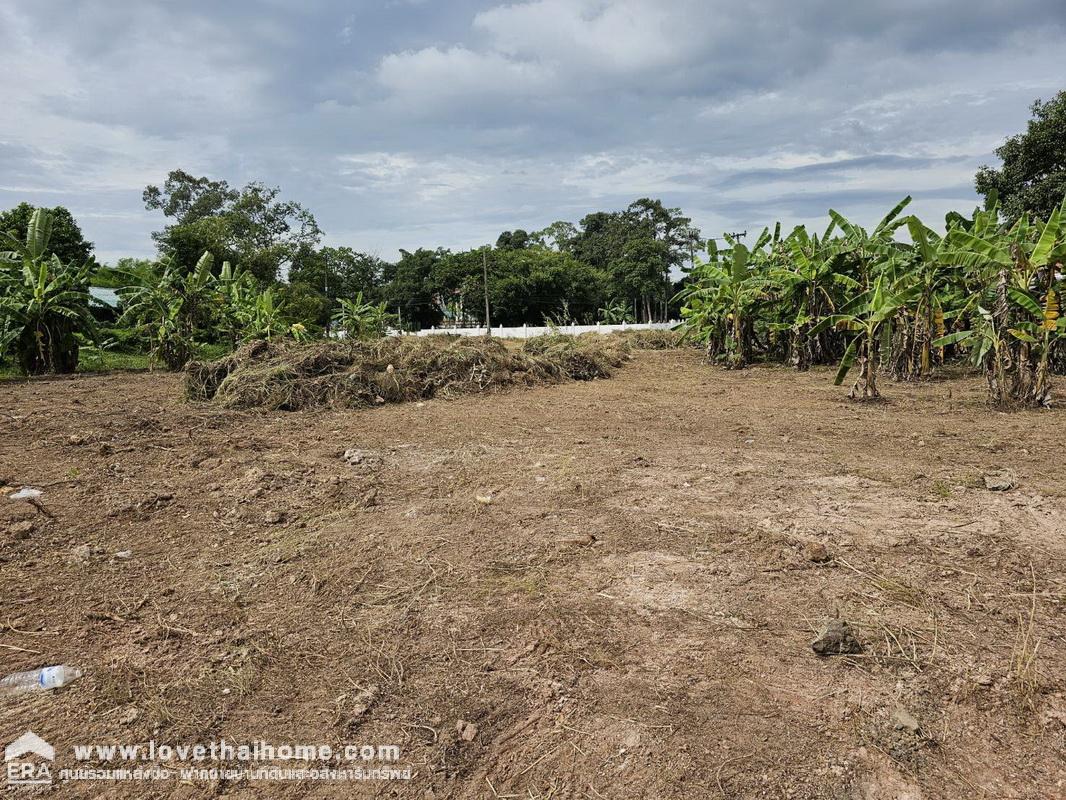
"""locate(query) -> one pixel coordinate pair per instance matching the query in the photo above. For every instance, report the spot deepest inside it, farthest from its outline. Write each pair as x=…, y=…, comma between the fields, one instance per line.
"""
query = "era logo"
x=28, y=760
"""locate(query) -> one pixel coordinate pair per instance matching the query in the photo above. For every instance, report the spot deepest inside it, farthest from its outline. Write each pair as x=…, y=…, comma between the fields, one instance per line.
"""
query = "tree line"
x=241, y=262
x=615, y=264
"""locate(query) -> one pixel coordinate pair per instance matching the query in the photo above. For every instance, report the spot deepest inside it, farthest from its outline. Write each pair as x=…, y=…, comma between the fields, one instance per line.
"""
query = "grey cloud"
x=417, y=123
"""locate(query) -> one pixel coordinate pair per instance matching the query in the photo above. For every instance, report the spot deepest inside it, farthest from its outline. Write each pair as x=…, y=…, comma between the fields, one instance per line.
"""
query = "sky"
x=423, y=123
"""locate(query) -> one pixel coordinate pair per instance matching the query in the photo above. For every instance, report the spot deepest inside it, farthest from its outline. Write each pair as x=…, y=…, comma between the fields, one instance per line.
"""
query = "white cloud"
x=623, y=37
x=445, y=77
x=427, y=181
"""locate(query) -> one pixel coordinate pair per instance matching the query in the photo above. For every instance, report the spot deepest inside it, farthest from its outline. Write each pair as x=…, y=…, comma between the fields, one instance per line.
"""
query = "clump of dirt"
x=287, y=376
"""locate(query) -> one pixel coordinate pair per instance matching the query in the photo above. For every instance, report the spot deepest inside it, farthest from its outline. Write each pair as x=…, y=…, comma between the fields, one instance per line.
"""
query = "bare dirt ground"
x=627, y=611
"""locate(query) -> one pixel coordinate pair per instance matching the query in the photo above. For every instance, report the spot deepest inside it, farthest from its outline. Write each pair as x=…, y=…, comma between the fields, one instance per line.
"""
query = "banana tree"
x=44, y=303
x=871, y=252
x=930, y=267
x=168, y=306
x=718, y=305
x=866, y=318
x=263, y=316
x=360, y=319
x=809, y=286
x=1014, y=342
x=615, y=313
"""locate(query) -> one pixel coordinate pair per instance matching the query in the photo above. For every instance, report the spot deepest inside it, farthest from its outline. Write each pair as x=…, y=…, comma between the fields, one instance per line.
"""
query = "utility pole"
x=485, y=277
x=734, y=235
x=325, y=293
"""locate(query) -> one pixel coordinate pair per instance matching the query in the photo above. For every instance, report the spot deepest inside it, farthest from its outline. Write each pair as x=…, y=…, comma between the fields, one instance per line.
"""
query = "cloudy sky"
x=406, y=123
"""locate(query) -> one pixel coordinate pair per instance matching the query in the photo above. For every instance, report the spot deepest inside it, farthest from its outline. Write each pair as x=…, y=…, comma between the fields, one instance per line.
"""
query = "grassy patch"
x=92, y=360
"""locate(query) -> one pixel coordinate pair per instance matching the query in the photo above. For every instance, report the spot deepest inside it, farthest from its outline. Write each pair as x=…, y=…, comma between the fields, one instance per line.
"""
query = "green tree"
x=303, y=303
x=639, y=248
x=1015, y=322
x=335, y=273
x=250, y=227
x=338, y=271
x=44, y=303
x=517, y=239
x=526, y=286
x=721, y=301
x=362, y=320
x=66, y=240
x=409, y=288
x=642, y=271
x=615, y=312
x=1033, y=175
x=168, y=306
x=559, y=236
x=531, y=285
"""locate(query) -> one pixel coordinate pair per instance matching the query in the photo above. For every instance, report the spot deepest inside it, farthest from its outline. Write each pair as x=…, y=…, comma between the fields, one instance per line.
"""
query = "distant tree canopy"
x=334, y=273
x=637, y=248
x=513, y=240
x=337, y=271
x=558, y=236
x=67, y=241
x=249, y=227
x=410, y=290
x=1033, y=175
x=526, y=286
x=613, y=264
x=564, y=273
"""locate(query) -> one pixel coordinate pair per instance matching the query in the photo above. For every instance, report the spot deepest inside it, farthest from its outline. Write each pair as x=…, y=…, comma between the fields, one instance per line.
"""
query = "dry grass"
x=287, y=376
x=1023, y=673
x=655, y=340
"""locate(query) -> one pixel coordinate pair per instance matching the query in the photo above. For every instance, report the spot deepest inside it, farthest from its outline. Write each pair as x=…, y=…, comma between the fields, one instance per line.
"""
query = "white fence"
x=527, y=331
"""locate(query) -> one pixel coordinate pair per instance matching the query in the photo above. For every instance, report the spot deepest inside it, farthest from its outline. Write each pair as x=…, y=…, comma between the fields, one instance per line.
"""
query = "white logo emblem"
x=27, y=760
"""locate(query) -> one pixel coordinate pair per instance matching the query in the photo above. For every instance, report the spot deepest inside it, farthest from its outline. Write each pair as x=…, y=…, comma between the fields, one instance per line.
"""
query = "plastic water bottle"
x=37, y=680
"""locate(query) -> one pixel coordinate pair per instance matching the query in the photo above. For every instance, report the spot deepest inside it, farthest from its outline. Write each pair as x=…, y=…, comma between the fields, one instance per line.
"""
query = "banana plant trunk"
x=800, y=348
x=997, y=361
x=865, y=387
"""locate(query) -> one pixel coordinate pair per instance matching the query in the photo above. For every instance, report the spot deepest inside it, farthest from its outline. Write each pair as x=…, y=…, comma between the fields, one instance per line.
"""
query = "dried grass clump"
x=582, y=358
x=654, y=340
x=353, y=374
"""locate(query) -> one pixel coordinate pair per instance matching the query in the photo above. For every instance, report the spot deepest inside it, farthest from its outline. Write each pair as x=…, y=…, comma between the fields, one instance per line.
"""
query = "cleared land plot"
x=274, y=590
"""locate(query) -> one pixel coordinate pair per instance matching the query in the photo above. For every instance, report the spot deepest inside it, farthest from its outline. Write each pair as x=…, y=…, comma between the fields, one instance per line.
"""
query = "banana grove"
x=878, y=302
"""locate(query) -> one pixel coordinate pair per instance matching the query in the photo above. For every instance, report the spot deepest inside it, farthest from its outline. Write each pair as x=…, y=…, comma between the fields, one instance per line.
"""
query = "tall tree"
x=250, y=227
x=666, y=225
x=527, y=285
x=557, y=236
x=517, y=239
x=337, y=271
x=410, y=288
x=642, y=272
x=1033, y=175
x=66, y=240
x=333, y=274
x=44, y=303
x=638, y=248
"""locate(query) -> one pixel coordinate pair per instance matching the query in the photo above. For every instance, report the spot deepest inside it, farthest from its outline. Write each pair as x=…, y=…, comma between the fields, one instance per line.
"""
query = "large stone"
x=903, y=720
x=836, y=639
x=22, y=529
x=1002, y=480
x=816, y=552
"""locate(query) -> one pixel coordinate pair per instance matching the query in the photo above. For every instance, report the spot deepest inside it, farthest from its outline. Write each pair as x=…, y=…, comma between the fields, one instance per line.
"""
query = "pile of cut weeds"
x=655, y=339
x=287, y=376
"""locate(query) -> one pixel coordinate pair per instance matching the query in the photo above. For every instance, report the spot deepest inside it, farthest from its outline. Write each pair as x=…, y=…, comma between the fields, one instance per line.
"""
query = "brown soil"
x=276, y=592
